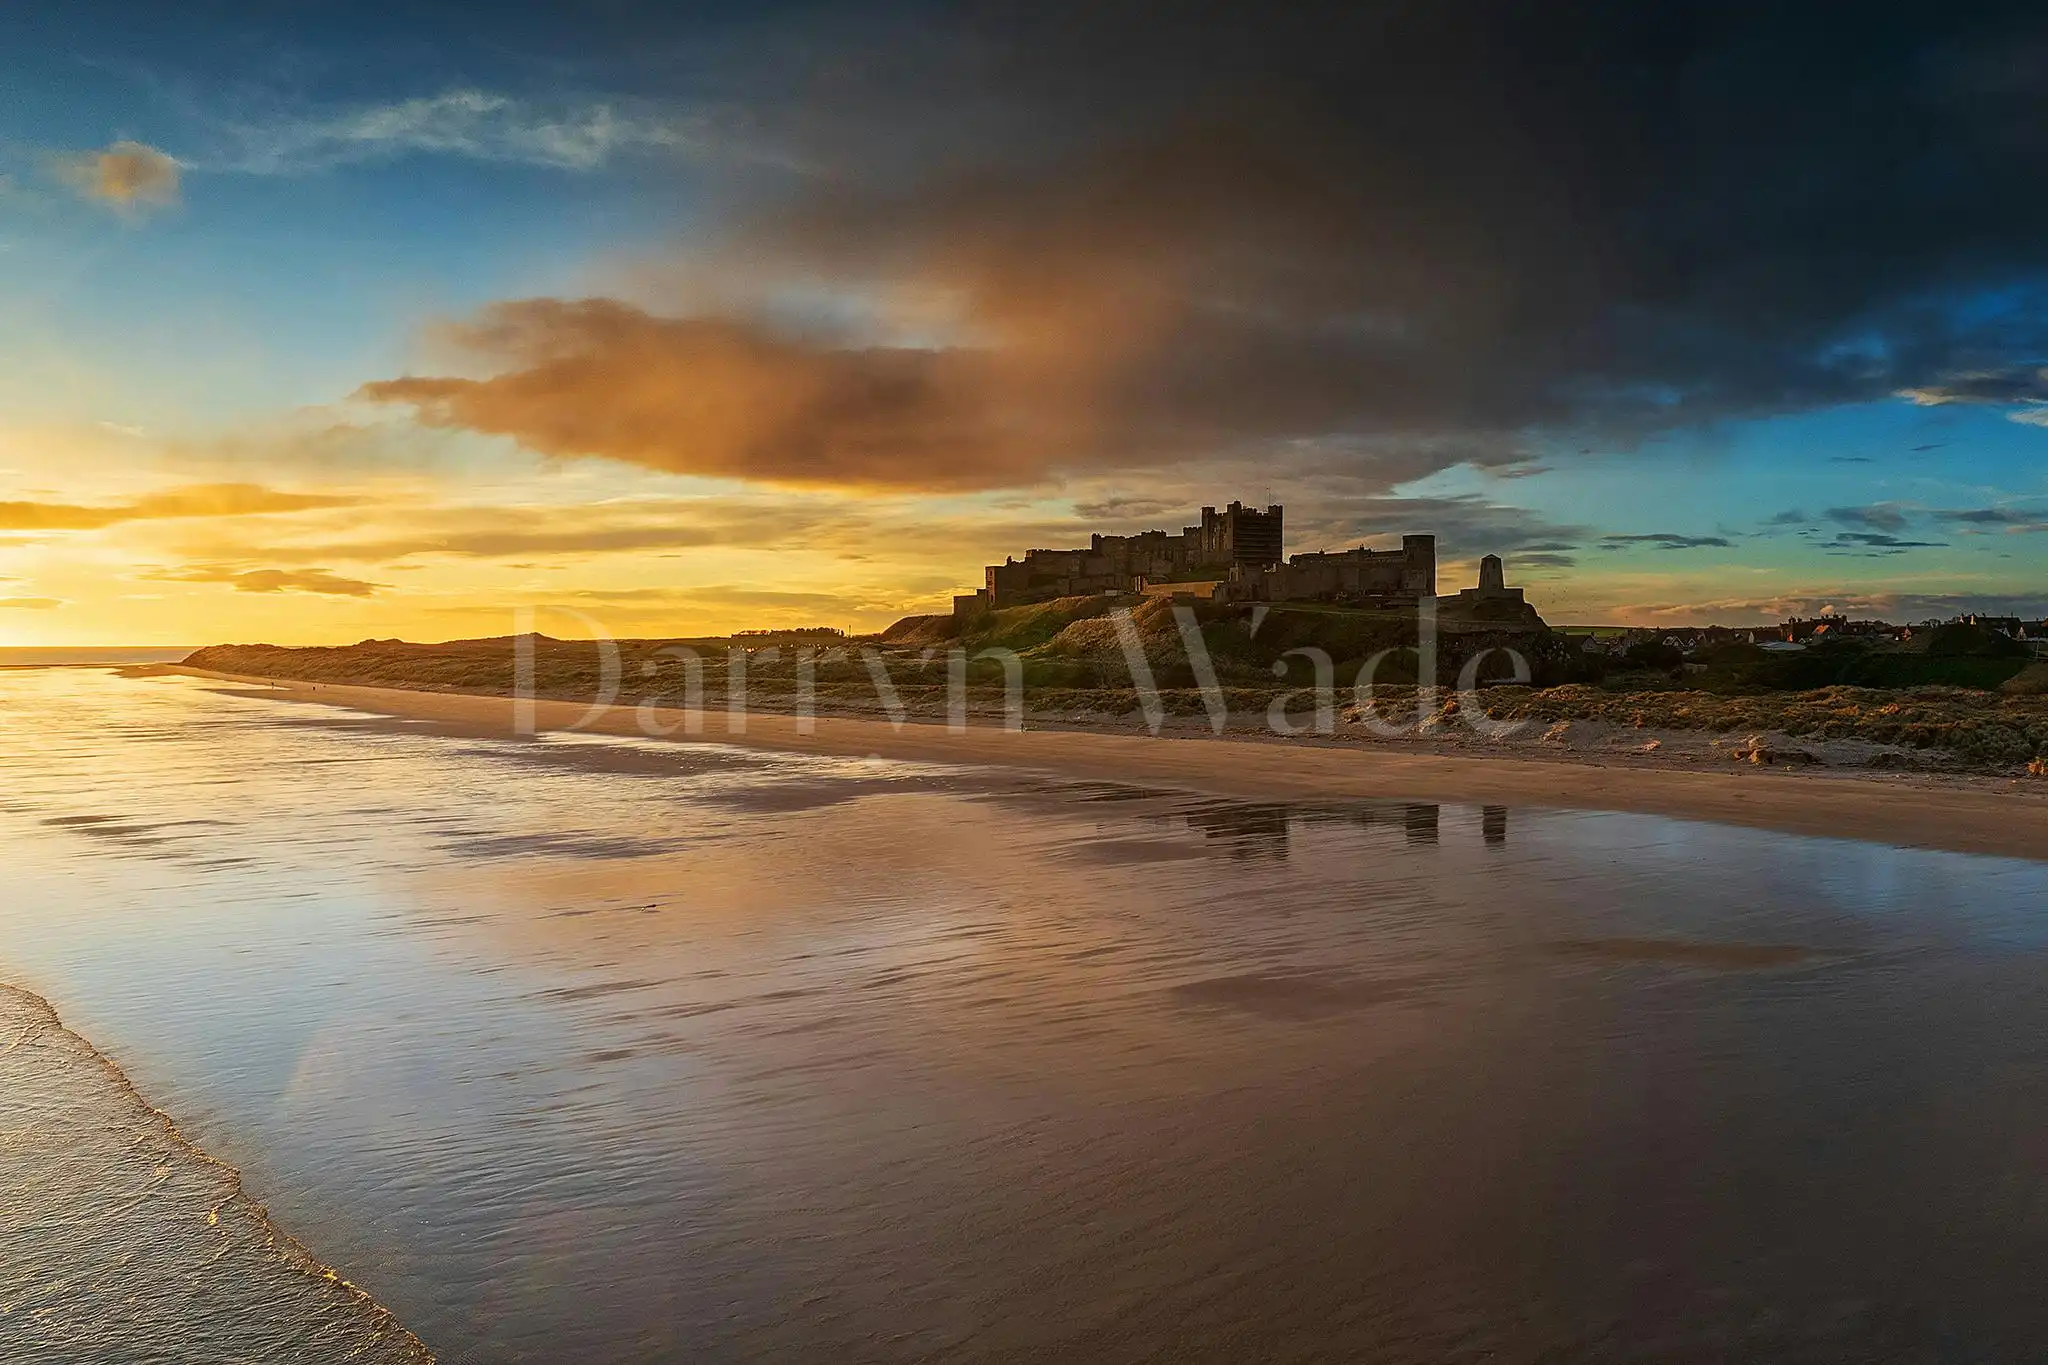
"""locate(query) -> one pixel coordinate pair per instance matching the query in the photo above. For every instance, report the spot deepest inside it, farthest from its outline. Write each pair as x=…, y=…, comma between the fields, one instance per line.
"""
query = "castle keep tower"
x=1239, y=536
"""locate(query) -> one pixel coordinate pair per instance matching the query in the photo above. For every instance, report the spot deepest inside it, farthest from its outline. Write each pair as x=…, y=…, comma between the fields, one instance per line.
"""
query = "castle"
x=1234, y=554
x=1238, y=537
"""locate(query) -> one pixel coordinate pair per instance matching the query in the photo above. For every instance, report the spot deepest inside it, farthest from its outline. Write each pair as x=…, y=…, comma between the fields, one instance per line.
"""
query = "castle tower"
x=1418, y=566
x=1252, y=538
x=1493, y=580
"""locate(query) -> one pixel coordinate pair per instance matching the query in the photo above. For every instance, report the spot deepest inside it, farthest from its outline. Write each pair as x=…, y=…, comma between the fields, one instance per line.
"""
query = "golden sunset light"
x=900, y=682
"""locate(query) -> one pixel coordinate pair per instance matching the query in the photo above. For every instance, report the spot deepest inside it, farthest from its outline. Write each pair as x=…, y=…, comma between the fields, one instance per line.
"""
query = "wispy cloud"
x=1876, y=543
x=2014, y=384
x=2011, y=520
x=31, y=603
x=737, y=595
x=2021, y=388
x=269, y=580
x=476, y=124
x=533, y=531
x=191, y=501
x=131, y=178
x=1882, y=516
x=1120, y=508
x=1667, y=540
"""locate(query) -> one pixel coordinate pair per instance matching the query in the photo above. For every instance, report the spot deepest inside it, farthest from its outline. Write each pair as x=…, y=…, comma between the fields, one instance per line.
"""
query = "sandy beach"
x=628, y=1052
x=1960, y=813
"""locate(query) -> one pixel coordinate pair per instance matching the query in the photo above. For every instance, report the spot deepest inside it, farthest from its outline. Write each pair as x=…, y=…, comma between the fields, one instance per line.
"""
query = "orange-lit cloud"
x=1006, y=334
x=129, y=176
x=191, y=501
x=734, y=398
x=31, y=603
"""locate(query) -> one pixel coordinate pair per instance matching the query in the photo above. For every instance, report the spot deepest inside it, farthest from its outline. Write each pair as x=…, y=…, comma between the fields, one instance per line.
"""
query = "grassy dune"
x=1074, y=665
x=1980, y=728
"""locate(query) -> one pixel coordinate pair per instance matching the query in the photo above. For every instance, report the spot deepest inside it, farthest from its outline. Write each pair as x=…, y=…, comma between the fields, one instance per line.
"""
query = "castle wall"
x=1238, y=537
x=1391, y=578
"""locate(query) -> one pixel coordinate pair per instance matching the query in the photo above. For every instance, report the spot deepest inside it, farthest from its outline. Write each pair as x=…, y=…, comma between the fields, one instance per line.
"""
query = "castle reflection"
x=1251, y=830
x=1261, y=830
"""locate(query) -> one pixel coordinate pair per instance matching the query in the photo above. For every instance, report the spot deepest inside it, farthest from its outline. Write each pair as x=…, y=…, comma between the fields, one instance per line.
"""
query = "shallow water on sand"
x=124, y=1243
x=597, y=1050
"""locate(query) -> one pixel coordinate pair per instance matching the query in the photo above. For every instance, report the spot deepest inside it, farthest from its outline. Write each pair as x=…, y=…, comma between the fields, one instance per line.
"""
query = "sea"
x=338, y=1037
x=68, y=656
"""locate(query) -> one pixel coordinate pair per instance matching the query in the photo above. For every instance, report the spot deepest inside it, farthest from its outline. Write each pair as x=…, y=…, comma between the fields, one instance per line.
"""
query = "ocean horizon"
x=51, y=656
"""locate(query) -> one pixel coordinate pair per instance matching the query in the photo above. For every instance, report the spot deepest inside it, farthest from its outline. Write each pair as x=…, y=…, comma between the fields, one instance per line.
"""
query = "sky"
x=322, y=322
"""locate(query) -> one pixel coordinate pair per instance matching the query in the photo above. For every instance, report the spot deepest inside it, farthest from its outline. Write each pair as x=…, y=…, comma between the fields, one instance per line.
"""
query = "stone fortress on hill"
x=1235, y=555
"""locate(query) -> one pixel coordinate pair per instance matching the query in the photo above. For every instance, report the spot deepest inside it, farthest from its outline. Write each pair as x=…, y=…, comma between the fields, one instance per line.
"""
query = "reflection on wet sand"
x=1248, y=829
x=603, y=1050
x=1259, y=829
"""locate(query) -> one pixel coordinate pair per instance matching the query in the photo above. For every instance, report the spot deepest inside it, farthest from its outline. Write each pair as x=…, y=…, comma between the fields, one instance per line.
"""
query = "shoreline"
x=1962, y=814
x=301, y=1296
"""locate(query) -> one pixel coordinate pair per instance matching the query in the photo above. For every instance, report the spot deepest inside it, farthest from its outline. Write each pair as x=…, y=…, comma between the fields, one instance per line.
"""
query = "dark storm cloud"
x=1099, y=237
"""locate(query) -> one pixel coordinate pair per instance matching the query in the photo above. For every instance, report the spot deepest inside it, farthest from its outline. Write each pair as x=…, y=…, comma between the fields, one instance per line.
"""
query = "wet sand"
x=603, y=1050
x=1986, y=815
